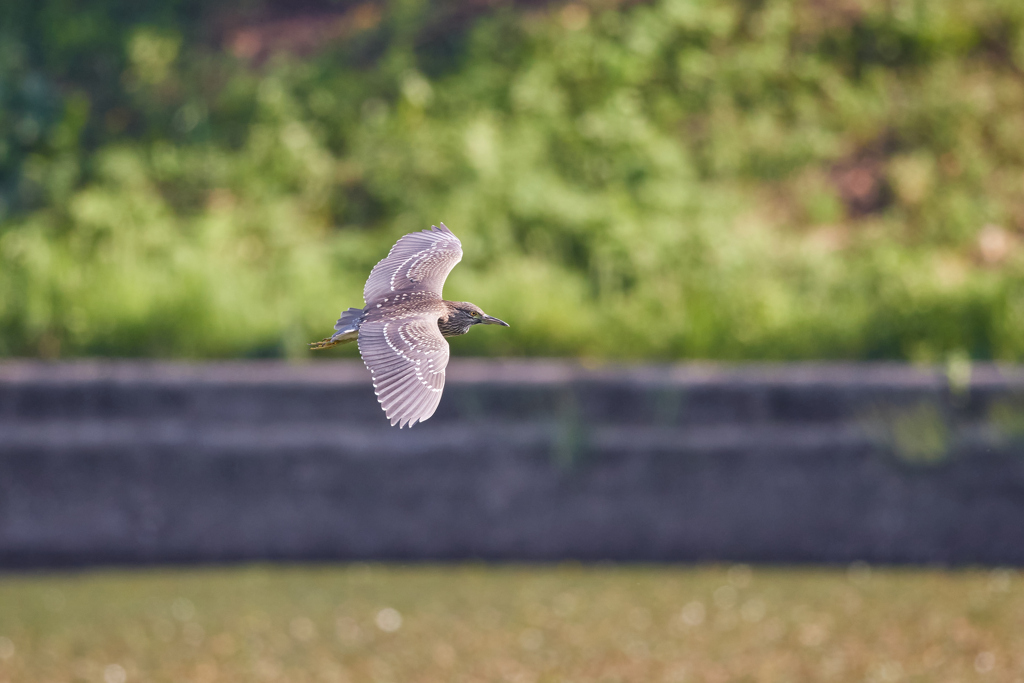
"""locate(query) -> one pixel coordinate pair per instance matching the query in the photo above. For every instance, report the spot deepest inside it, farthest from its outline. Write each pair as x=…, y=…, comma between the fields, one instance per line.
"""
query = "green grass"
x=518, y=624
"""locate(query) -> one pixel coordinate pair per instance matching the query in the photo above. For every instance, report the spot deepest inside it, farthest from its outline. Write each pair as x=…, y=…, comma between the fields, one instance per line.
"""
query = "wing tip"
x=411, y=421
x=407, y=421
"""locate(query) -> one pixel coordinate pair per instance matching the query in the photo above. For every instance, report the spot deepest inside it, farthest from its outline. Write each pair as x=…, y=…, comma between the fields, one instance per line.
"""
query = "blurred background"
x=668, y=197
x=813, y=179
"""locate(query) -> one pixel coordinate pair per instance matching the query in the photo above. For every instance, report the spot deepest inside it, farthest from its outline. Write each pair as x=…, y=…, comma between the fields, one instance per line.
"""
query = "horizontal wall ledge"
x=154, y=462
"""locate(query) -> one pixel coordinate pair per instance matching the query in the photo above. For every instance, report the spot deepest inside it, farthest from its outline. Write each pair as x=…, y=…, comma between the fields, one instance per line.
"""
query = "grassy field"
x=516, y=624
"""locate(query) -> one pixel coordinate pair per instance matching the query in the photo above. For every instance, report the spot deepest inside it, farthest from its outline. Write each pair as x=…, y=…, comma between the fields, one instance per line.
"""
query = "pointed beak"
x=490, y=320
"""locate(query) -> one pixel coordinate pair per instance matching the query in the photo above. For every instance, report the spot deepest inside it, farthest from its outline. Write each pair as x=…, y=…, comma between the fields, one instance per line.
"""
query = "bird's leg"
x=323, y=344
x=337, y=338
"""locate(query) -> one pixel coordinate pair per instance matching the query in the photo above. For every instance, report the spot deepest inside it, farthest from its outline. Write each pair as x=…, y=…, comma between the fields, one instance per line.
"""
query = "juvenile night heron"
x=401, y=329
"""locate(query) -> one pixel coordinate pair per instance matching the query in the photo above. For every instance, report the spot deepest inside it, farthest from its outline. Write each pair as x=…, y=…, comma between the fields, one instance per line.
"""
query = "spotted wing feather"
x=407, y=359
x=420, y=261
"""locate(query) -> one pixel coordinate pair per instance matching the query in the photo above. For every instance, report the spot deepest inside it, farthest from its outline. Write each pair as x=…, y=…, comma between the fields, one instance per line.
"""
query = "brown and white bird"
x=401, y=331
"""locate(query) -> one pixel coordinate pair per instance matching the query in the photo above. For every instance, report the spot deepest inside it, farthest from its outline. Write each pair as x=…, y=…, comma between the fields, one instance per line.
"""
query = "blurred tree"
x=743, y=180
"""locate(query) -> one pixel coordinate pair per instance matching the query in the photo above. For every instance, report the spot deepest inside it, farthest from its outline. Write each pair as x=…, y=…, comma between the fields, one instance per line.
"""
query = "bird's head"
x=464, y=315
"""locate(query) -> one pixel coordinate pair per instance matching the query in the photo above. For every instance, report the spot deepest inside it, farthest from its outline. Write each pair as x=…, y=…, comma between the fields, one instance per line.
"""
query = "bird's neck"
x=453, y=323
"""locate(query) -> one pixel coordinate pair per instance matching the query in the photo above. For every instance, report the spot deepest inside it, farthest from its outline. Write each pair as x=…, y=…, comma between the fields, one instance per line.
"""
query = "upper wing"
x=407, y=359
x=419, y=261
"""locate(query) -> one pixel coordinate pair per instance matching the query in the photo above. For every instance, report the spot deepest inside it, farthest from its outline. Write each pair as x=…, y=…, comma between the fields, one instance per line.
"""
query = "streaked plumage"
x=401, y=331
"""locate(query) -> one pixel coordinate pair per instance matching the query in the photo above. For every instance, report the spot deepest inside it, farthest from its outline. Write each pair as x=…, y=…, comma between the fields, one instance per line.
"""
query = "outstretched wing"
x=420, y=261
x=407, y=359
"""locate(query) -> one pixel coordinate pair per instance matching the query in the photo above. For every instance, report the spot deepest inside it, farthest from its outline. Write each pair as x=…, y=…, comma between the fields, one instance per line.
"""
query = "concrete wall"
x=143, y=462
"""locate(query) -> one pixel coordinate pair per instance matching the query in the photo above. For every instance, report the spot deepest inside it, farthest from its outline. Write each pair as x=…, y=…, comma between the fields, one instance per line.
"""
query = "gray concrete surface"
x=125, y=462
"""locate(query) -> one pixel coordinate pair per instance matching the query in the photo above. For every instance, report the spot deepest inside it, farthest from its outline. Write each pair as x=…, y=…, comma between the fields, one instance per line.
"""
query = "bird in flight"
x=401, y=331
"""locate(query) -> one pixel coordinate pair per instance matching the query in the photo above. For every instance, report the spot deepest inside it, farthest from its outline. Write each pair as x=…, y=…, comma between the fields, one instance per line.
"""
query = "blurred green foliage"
x=773, y=179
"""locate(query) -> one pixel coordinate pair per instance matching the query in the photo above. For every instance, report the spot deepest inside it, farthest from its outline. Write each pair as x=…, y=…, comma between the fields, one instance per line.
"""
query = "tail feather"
x=349, y=319
x=345, y=330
